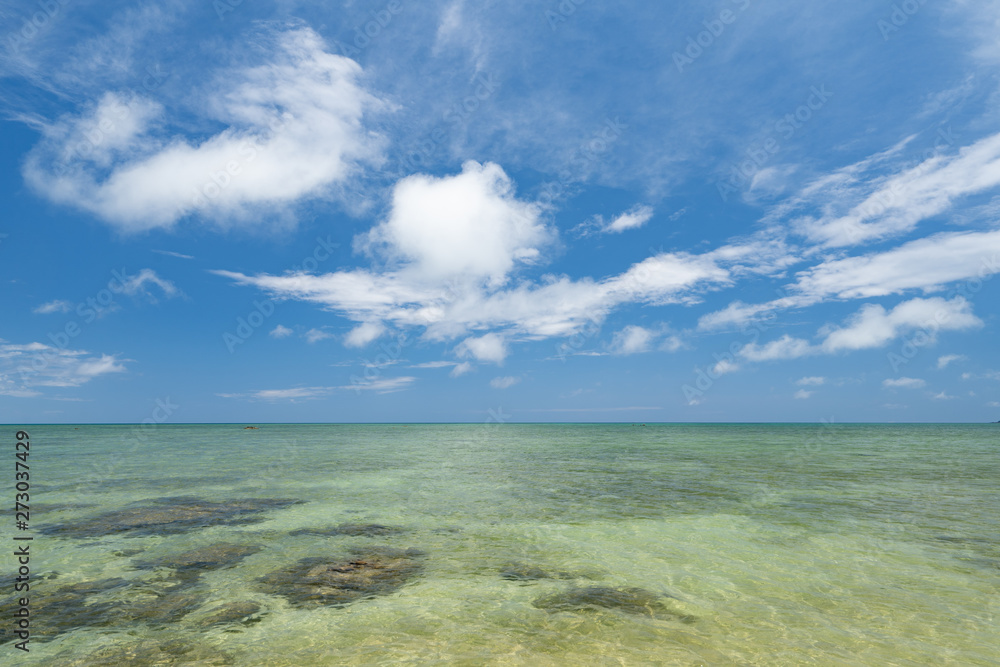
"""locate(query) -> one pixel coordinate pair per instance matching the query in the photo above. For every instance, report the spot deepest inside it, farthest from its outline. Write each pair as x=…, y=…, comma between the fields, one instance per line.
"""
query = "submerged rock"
x=629, y=600
x=63, y=610
x=212, y=557
x=151, y=652
x=340, y=581
x=526, y=572
x=232, y=612
x=168, y=516
x=352, y=530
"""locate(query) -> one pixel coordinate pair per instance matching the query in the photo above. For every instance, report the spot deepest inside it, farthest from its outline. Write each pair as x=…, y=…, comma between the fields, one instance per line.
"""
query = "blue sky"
x=543, y=211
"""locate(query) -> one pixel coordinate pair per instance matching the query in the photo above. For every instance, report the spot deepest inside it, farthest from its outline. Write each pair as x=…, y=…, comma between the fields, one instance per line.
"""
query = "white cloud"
x=57, y=306
x=504, y=382
x=297, y=393
x=943, y=361
x=904, y=383
x=813, y=381
x=881, y=207
x=802, y=394
x=434, y=364
x=280, y=332
x=293, y=130
x=927, y=264
x=170, y=253
x=994, y=404
x=461, y=369
x=785, y=347
x=364, y=333
x=724, y=366
x=943, y=397
x=316, y=335
x=634, y=218
x=136, y=285
x=632, y=340
x=873, y=326
x=491, y=347
x=383, y=385
x=468, y=226
x=26, y=368
x=671, y=344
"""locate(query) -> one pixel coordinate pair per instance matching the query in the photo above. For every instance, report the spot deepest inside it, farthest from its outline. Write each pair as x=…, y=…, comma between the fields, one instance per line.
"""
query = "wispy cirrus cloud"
x=27, y=368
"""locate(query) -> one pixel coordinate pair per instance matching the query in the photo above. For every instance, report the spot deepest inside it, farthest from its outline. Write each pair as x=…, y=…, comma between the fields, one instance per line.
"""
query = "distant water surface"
x=514, y=544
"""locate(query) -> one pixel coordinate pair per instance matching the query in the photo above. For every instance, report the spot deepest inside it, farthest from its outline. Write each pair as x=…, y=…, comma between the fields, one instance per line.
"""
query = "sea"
x=507, y=544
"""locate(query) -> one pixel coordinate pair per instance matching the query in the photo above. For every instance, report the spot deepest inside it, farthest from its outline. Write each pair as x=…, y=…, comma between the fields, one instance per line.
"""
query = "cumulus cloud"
x=812, y=381
x=632, y=340
x=785, y=347
x=873, y=326
x=363, y=334
x=904, y=383
x=316, y=335
x=293, y=129
x=491, y=348
x=803, y=394
x=468, y=226
x=280, y=332
x=504, y=382
x=451, y=247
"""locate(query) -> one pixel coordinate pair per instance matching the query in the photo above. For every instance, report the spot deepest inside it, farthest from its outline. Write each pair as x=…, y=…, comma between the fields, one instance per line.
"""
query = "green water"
x=784, y=544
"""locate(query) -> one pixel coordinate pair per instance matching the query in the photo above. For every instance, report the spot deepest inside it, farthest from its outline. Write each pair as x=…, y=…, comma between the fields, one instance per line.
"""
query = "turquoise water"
x=759, y=544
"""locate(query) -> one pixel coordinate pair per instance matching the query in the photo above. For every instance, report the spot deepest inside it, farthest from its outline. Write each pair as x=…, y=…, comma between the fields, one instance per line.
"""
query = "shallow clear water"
x=767, y=544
